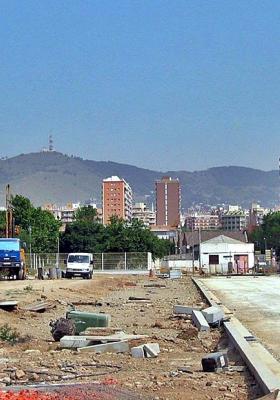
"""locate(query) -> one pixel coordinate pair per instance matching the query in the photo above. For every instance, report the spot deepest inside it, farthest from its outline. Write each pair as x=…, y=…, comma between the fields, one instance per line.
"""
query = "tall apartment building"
x=168, y=202
x=233, y=220
x=202, y=221
x=117, y=199
x=141, y=212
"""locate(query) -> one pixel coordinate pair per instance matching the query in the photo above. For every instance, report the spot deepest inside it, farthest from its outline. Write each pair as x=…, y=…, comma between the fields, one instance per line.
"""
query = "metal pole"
x=30, y=246
x=57, y=254
x=199, y=241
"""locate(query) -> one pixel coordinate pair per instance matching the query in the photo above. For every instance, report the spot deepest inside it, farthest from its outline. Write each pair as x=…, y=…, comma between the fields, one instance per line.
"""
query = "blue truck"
x=12, y=259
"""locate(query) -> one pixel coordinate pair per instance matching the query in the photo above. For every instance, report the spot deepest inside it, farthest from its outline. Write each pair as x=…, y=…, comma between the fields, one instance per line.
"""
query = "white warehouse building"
x=226, y=255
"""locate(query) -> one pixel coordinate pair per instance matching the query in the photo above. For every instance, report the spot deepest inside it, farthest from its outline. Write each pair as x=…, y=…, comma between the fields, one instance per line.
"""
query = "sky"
x=165, y=85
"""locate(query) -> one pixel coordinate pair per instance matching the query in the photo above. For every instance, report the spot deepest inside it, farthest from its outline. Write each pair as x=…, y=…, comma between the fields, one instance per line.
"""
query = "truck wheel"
x=68, y=276
x=20, y=275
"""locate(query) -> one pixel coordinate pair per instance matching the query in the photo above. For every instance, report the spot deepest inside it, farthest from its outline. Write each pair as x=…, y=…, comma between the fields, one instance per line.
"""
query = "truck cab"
x=79, y=264
x=12, y=258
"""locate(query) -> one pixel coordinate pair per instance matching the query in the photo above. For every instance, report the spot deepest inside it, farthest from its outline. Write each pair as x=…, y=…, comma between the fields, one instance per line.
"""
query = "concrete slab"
x=117, y=347
x=262, y=364
x=151, y=349
x=199, y=321
x=187, y=310
x=255, y=302
x=213, y=314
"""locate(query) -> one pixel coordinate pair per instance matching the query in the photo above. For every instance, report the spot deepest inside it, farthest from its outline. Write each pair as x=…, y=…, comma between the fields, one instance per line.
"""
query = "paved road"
x=255, y=302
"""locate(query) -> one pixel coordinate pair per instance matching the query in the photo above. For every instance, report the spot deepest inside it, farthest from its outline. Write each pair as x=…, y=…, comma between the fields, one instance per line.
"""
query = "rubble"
x=182, y=346
x=148, y=350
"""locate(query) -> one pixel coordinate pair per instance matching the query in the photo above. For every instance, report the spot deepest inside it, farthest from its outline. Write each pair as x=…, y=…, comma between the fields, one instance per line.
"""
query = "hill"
x=57, y=178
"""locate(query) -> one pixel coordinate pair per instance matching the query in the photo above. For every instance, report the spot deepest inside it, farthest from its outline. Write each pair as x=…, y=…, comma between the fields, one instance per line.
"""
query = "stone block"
x=199, y=321
x=151, y=349
x=138, y=352
x=180, y=309
x=115, y=347
x=213, y=314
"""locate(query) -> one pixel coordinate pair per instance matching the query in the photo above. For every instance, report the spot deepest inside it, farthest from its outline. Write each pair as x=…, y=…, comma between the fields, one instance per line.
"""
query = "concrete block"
x=138, y=352
x=175, y=274
x=116, y=347
x=151, y=350
x=213, y=314
x=214, y=361
x=74, y=342
x=180, y=309
x=199, y=321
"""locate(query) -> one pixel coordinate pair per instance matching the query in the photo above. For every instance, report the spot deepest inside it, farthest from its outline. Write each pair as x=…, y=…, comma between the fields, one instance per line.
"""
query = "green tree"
x=2, y=223
x=83, y=236
x=87, y=213
x=37, y=224
x=268, y=234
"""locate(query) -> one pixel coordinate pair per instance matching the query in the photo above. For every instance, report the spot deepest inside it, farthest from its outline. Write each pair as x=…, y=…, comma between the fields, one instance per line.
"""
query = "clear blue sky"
x=159, y=84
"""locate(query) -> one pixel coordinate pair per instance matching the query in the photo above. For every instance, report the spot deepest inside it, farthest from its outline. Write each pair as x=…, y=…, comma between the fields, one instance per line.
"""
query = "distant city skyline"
x=163, y=85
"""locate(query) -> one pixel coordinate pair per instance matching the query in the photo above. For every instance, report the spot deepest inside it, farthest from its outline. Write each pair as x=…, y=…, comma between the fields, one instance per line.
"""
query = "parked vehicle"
x=12, y=258
x=79, y=264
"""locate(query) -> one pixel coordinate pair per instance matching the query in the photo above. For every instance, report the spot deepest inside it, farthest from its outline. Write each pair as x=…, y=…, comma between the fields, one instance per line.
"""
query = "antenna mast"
x=50, y=143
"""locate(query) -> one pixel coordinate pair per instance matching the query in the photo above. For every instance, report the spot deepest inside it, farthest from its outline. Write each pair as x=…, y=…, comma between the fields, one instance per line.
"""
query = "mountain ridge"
x=58, y=178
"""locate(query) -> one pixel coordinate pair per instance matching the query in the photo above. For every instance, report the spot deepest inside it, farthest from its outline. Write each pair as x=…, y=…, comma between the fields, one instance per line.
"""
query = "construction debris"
x=187, y=310
x=148, y=350
x=132, y=298
x=8, y=305
x=199, y=321
x=214, y=361
x=62, y=327
x=213, y=315
x=115, y=347
x=83, y=341
x=40, y=307
x=84, y=320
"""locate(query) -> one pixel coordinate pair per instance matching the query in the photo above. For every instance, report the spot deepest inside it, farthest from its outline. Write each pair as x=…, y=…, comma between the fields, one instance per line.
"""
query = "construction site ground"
x=35, y=358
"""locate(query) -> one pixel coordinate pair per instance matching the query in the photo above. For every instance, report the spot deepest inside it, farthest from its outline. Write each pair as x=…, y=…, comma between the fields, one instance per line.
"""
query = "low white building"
x=224, y=254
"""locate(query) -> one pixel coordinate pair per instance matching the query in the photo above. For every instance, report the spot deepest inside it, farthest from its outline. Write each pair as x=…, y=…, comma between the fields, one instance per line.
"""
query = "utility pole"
x=30, y=245
x=199, y=241
x=9, y=214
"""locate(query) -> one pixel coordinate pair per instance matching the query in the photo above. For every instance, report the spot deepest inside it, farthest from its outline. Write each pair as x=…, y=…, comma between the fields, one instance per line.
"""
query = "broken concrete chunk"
x=151, y=350
x=74, y=342
x=214, y=361
x=148, y=350
x=199, y=321
x=115, y=347
x=179, y=309
x=213, y=314
x=138, y=352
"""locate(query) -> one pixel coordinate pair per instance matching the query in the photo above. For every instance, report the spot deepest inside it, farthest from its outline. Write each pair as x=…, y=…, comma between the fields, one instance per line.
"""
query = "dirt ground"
x=36, y=358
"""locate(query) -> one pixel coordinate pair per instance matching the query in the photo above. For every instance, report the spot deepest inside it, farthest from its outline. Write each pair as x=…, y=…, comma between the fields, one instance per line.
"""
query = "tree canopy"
x=268, y=234
x=38, y=227
x=118, y=236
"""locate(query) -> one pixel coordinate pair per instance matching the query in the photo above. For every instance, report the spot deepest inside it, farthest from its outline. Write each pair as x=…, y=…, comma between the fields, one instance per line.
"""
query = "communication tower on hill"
x=50, y=143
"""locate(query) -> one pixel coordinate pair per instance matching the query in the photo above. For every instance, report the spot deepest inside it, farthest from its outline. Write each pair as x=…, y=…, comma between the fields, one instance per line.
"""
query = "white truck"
x=79, y=264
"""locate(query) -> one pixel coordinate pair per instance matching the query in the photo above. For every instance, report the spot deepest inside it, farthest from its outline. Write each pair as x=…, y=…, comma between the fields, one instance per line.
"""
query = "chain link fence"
x=103, y=262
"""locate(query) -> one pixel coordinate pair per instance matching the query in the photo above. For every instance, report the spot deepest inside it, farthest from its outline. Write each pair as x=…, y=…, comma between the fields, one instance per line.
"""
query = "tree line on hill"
x=85, y=234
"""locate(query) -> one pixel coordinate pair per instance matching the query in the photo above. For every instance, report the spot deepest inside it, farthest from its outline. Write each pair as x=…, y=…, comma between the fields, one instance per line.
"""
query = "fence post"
x=102, y=261
x=125, y=260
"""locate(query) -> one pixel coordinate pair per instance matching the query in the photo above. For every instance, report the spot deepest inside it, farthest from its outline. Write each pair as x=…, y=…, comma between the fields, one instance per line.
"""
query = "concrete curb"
x=254, y=358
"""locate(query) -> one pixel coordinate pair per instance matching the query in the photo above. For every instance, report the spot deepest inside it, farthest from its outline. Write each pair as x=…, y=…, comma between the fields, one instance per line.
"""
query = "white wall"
x=180, y=264
x=225, y=250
